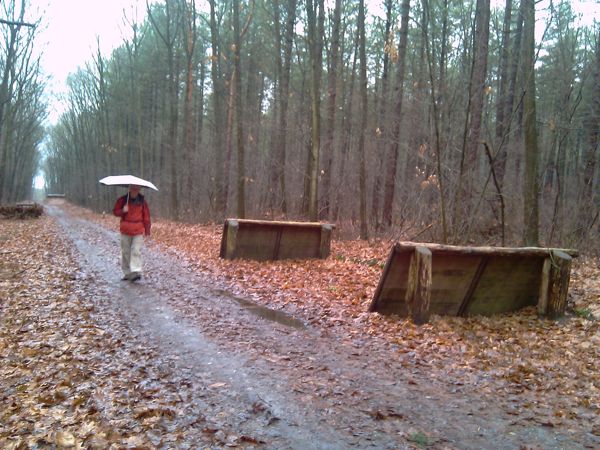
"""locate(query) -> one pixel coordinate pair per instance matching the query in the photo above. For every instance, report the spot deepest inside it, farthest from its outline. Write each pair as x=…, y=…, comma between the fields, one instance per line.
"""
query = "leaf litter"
x=69, y=380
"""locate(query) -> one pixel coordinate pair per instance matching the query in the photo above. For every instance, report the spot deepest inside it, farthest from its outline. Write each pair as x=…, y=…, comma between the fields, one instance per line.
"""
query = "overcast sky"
x=69, y=33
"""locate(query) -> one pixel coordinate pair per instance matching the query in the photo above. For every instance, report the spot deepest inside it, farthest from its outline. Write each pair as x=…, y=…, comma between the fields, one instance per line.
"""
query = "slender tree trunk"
x=347, y=130
x=393, y=151
x=315, y=19
x=531, y=187
x=217, y=103
x=362, y=175
x=276, y=134
x=436, y=121
x=229, y=137
x=503, y=110
x=469, y=160
x=188, y=110
x=241, y=154
x=382, y=120
x=331, y=109
x=284, y=98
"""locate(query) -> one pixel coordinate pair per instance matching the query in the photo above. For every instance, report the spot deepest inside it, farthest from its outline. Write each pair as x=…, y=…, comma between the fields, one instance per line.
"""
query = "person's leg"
x=126, y=254
x=136, y=256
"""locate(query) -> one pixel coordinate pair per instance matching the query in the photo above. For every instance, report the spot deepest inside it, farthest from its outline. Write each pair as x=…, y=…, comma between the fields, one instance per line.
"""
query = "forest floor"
x=211, y=353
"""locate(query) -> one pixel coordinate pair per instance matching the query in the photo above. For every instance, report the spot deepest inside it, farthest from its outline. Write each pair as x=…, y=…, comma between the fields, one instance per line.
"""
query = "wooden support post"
x=231, y=241
x=558, y=283
x=542, y=305
x=418, y=289
x=325, y=245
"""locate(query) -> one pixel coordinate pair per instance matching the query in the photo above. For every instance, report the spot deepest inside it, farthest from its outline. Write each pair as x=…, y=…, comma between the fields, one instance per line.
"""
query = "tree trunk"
x=382, y=120
x=331, y=110
x=469, y=163
x=503, y=109
x=531, y=188
x=315, y=44
x=190, y=36
x=241, y=164
x=217, y=103
x=362, y=175
x=392, y=157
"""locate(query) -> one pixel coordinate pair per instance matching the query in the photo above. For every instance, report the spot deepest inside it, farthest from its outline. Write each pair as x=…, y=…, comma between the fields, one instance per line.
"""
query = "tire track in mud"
x=288, y=386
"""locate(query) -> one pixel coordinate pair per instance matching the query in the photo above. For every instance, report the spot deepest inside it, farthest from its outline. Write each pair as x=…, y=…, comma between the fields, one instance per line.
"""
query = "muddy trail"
x=254, y=377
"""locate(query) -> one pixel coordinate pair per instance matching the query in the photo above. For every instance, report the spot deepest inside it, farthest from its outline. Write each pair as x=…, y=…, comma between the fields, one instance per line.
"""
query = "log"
x=418, y=290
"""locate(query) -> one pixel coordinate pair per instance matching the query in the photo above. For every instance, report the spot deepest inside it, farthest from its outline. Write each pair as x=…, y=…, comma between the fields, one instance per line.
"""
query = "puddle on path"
x=263, y=311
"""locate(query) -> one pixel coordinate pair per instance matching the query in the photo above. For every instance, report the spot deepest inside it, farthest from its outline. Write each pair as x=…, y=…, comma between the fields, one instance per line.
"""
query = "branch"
x=19, y=24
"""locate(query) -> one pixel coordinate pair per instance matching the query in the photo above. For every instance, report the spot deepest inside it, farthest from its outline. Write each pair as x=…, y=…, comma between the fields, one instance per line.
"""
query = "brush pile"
x=24, y=210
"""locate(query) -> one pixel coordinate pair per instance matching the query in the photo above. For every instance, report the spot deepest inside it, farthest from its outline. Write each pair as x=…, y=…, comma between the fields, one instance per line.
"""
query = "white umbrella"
x=126, y=180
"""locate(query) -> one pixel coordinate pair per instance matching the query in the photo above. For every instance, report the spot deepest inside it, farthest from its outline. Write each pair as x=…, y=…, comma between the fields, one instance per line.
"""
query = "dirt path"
x=246, y=376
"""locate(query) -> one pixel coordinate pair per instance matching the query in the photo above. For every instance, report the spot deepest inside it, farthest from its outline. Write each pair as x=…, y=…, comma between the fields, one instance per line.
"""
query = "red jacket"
x=137, y=219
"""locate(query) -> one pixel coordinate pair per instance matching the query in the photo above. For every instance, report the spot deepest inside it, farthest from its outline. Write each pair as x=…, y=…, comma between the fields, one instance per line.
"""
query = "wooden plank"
x=472, y=286
x=508, y=283
x=256, y=242
x=452, y=275
x=498, y=251
x=299, y=242
x=278, y=223
x=558, y=285
x=418, y=289
x=390, y=294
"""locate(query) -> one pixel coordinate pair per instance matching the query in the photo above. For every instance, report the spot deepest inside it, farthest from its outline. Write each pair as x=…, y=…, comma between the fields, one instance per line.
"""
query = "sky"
x=69, y=35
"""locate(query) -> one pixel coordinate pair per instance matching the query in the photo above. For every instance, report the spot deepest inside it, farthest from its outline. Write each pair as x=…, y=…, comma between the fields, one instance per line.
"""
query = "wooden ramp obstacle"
x=423, y=279
x=264, y=240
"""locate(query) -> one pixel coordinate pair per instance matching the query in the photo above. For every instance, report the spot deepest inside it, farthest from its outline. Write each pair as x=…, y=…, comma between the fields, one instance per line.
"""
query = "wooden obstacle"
x=423, y=279
x=21, y=210
x=264, y=240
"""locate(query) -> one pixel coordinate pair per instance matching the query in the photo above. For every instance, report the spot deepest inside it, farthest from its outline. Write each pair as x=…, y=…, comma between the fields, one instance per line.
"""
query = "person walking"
x=134, y=212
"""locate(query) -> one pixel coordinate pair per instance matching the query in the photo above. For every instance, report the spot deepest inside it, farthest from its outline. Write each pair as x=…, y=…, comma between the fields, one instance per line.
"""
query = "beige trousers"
x=131, y=253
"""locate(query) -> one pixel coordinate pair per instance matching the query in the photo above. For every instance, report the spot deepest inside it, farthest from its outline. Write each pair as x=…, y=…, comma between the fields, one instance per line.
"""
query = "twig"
x=421, y=232
x=19, y=24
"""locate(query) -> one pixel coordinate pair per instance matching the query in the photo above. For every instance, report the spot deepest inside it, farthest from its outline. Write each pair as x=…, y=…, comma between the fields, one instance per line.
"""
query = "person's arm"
x=118, y=209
